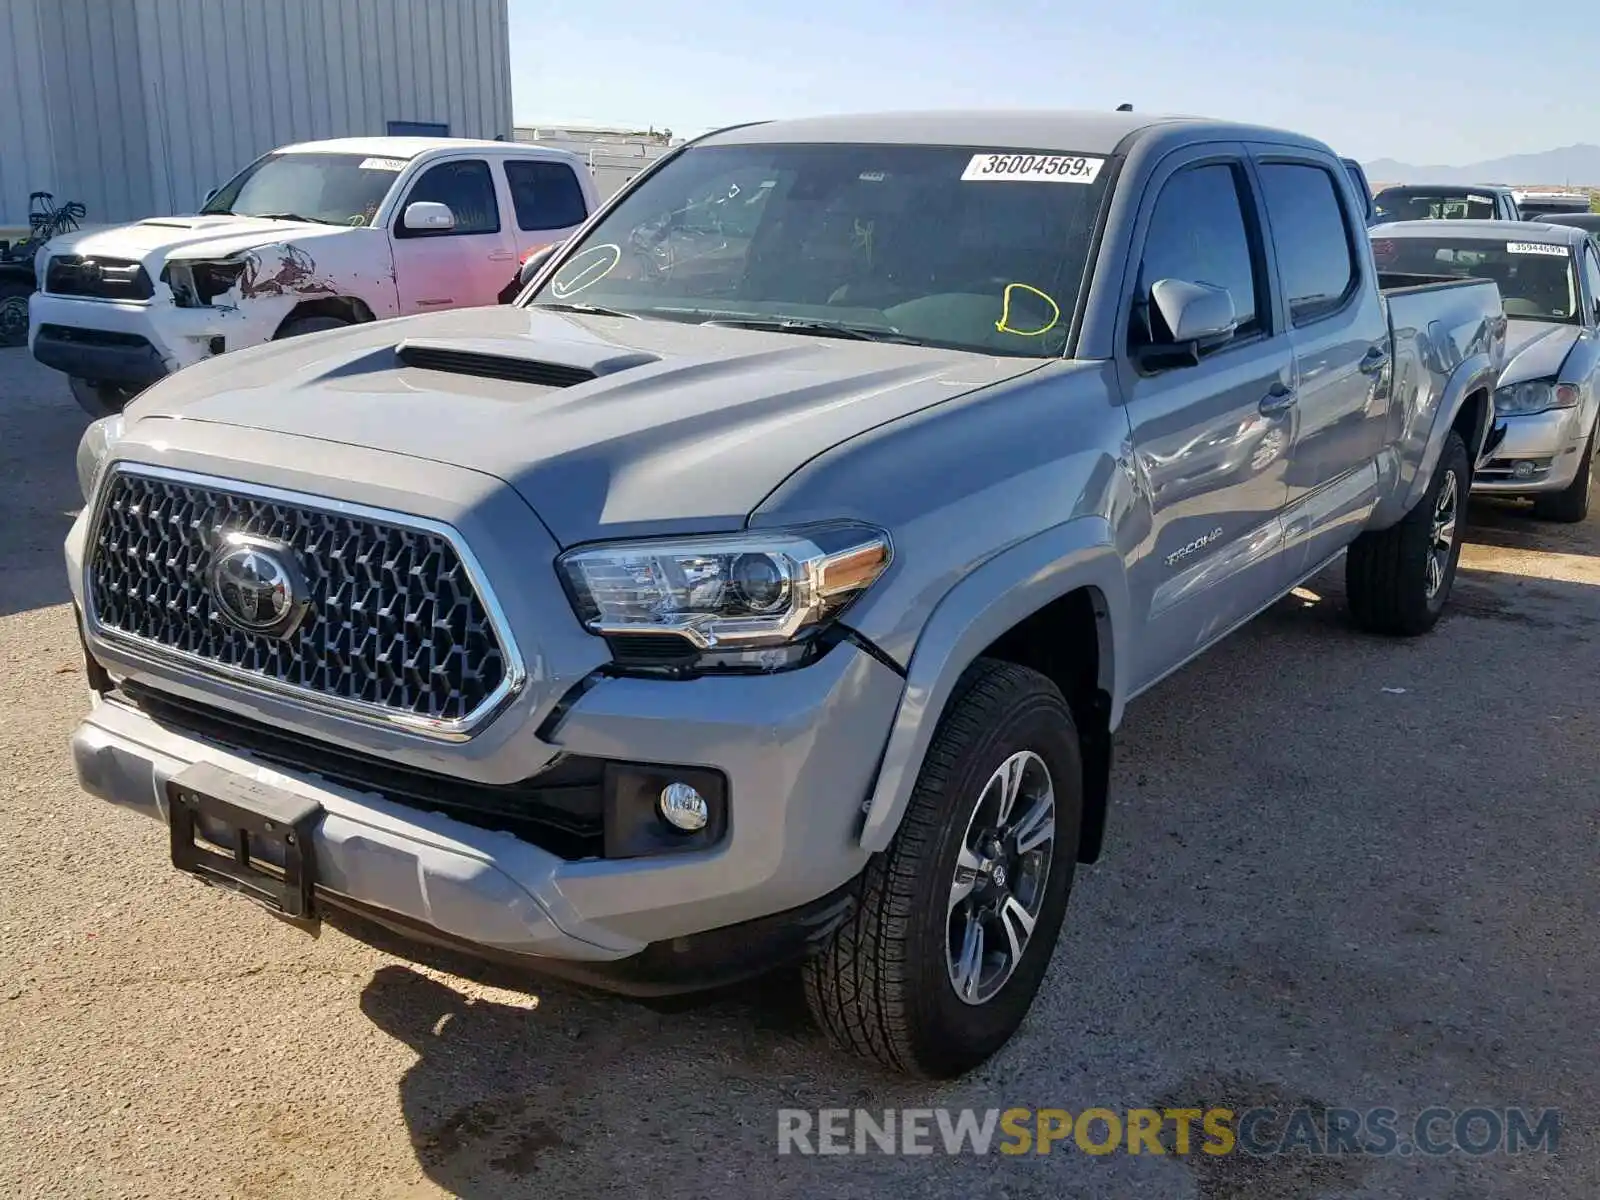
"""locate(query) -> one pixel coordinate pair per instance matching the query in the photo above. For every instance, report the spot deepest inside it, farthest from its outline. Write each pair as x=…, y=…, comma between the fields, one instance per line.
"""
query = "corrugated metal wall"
x=26, y=162
x=151, y=103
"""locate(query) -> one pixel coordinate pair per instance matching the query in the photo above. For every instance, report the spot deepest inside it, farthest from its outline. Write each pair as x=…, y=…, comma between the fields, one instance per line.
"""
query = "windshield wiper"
x=577, y=306
x=291, y=217
x=860, y=333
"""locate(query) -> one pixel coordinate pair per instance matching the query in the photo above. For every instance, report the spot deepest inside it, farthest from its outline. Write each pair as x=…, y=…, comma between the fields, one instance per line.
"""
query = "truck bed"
x=1401, y=281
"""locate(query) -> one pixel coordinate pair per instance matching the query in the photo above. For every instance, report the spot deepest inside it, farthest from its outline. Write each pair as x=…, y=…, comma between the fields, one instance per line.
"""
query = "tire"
x=14, y=295
x=100, y=399
x=1570, y=505
x=1387, y=573
x=301, y=325
x=884, y=986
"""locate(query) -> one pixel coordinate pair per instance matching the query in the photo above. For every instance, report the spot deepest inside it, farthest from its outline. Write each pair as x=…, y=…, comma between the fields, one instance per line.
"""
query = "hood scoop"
x=455, y=359
x=171, y=224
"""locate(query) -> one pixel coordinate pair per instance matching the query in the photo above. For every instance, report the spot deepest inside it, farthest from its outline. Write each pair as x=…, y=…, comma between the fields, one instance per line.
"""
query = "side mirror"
x=209, y=197
x=429, y=216
x=534, y=263
x=1197, y=316
x=1194, y=312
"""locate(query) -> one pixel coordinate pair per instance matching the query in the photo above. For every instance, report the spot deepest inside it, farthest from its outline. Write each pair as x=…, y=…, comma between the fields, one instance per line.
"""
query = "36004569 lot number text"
x=1042, y=168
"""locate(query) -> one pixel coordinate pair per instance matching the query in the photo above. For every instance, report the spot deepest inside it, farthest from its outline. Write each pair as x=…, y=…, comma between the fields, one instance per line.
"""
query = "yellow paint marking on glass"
x=1003, y=325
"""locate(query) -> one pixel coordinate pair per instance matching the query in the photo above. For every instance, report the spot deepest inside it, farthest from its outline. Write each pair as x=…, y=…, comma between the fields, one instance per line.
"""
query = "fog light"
x=1523, y=469
x=684, y=808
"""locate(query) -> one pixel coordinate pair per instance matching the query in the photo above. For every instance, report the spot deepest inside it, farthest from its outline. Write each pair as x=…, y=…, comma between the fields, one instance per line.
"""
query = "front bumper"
x=132, y=343
x=1553, y=442
x=797, y=778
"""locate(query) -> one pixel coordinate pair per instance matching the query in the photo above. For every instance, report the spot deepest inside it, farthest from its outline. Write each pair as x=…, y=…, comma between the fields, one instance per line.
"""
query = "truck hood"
x=155, y=240
x=1536, y=350
x=606, y=426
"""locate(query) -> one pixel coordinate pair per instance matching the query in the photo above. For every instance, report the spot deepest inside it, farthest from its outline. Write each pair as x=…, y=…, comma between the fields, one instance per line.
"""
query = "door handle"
x=1278, y=400
x=1374, y=360
x=501, y=256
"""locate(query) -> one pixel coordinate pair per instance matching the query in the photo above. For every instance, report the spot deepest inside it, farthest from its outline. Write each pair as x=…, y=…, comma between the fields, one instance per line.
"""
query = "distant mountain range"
x=1577, y=166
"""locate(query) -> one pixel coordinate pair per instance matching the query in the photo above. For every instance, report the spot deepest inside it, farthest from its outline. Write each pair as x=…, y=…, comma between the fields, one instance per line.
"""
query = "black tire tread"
x=13, y=289
x=1570, y=505
x=301, y=326
x=1382, y=564
x=856, y=987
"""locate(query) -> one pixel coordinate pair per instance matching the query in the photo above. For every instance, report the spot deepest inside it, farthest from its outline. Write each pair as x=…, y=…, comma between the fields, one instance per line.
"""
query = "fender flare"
x=983, y=605
x=1478, y=373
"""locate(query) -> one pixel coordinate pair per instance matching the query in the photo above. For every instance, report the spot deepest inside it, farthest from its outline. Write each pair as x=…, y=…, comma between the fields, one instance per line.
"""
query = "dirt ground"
x=1340, y=871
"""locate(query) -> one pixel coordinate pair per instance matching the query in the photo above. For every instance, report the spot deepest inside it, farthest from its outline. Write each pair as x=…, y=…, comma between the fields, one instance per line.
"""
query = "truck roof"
x=1487, y=231
x=1059, y=130
x=410, y=147
x=1451, y=187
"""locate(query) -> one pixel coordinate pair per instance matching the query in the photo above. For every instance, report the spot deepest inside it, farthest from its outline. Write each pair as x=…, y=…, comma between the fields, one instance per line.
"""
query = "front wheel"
x=14, y=295
x=301, y=326
x=1399, y=578
x=100, y=399
x=1572, y=503
x=939, y=964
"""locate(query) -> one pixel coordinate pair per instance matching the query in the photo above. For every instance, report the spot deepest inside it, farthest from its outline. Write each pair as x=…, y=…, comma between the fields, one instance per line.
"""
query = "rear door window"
x=1311, y=236
x=545, y=195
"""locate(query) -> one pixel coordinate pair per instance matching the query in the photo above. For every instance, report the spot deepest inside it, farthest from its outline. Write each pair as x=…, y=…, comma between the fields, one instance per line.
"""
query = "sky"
x=1427, y=82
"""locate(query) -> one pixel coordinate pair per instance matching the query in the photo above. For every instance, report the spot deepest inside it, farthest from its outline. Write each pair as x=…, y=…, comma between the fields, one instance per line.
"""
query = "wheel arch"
x=344, y=308
x=1058, y=603
x=1474, y=378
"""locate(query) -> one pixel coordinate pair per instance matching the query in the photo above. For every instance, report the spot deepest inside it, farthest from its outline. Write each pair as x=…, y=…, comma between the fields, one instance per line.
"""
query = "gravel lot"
x=1319, y=888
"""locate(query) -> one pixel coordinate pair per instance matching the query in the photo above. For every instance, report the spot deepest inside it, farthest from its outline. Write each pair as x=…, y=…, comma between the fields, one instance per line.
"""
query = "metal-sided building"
x=140, y=107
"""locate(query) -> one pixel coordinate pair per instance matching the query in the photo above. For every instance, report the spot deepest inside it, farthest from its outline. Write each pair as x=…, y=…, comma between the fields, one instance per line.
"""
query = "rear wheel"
x=100, y=399
x=1572, y=504
x=957, y=920
x=14, y=295
x=1399, y=578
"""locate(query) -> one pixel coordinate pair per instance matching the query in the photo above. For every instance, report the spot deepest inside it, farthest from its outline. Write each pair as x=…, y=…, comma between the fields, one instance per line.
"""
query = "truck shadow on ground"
x=1511, y=525
x=508, y=1099
x=39, y=431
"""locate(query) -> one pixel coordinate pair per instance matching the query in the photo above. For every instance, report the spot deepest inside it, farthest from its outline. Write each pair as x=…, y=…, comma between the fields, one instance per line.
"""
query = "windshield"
x=936, y=245
x=334, y=189
x=1433, y=204
x=1536, y=279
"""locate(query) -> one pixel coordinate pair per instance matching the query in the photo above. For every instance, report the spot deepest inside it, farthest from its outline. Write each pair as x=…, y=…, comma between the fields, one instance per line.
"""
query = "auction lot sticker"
x=1537, y=248
x=1033, y=168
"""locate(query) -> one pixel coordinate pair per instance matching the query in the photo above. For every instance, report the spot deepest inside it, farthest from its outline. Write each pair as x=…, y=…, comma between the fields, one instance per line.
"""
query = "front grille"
x=395, y=626
x=561, y=809
x=97, y=278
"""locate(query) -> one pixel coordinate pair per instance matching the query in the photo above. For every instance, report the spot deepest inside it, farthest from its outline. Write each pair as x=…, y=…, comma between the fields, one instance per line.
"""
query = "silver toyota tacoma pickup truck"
x=768, y=582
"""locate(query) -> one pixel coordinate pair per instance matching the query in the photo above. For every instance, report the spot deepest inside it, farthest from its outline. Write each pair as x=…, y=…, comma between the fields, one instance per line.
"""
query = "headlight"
x=196, y=283
x=1535, y=396
x=93, y=449
x=748, y=601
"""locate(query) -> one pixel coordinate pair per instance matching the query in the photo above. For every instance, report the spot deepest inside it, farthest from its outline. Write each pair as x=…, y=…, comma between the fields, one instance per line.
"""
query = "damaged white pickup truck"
x=305, y=238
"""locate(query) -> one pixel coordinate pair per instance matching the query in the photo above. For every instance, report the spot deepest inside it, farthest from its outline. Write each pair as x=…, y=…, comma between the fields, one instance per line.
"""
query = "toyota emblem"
x=257, y=585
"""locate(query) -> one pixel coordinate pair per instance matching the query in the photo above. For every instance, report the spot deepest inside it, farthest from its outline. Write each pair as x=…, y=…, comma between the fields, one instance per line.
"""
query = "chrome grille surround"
x=414, y=639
